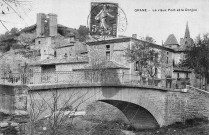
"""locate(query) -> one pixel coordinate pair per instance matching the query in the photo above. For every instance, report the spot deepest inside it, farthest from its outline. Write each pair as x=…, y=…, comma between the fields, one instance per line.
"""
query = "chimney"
x=134, y=36
x=52, y=24
x=41, y=17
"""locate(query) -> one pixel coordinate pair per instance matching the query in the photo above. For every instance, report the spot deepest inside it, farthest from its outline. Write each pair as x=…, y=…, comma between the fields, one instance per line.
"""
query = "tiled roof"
x=126, y=39
x=105, y=65
x=171, y=40
x=61, y=61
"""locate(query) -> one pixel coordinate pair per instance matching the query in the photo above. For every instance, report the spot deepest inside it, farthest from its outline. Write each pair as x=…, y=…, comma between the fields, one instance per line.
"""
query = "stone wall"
x=12, y=98
x=197, y=104
x=181, y=106
x=70, y=67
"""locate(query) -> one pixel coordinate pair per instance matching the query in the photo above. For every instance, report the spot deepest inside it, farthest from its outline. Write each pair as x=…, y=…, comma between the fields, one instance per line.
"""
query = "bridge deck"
x=80, y=79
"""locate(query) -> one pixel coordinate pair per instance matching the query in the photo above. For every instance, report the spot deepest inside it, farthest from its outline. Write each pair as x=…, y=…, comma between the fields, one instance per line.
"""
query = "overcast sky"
x=157, y=24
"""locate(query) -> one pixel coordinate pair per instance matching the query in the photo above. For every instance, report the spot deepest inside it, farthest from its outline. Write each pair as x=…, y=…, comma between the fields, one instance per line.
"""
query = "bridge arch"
x=142, y=113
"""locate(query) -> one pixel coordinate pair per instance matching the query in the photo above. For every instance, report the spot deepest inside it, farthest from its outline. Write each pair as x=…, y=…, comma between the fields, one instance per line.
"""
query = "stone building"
x=172, y=75
x=60, y=51
x=113, y=50
x=181, y=76
x=57, y=52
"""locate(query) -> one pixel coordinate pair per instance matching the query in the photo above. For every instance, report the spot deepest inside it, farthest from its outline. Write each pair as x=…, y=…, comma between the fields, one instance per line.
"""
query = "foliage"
x=9, y=34
x=16, y=40
x=109, y=128
x=83, y=32
x=149, y=39
x=8, y=39
x=197, y=57
x=146, y=58
x=49, y=112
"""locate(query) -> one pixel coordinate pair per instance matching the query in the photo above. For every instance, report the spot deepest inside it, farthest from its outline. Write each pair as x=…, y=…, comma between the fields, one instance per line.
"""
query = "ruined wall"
x=46, y=25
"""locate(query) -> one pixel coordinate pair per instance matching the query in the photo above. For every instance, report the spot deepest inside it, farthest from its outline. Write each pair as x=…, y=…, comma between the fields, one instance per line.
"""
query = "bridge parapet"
x=78, y=77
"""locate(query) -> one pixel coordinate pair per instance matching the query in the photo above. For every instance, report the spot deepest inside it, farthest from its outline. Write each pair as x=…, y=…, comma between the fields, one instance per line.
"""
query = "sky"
x=154, y=23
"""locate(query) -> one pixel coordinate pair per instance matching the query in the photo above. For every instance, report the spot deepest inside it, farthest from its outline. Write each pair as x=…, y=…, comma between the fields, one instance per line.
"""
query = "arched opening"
x=138, y=116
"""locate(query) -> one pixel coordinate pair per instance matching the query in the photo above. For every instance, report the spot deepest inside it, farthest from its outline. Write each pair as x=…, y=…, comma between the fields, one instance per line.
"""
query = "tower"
x=52, y=24
x=187, y=34
x=187, y=40
x=41, y=17
x=46, y=25
x=46, y=30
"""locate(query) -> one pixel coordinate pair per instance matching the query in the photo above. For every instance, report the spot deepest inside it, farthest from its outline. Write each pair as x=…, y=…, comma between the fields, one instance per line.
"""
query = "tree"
x=83, y=32
x=147, y=59
x=149, y=39
x=197, y=58
x=9, y=34
x=49, y=113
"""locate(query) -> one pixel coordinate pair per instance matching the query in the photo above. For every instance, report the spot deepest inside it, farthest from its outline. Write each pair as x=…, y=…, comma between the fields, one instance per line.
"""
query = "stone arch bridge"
x=144, y=106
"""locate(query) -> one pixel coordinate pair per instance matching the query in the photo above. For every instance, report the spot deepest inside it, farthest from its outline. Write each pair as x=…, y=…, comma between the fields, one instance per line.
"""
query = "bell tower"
x=187, y=40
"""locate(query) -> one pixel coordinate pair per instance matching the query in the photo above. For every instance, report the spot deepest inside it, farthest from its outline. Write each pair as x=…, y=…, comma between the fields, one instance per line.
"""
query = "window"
x=55, y=54
x=151, y=58
x=107, y=47
x=187, y=75
x=65, y=55
x=107, y=55
x=136, y=66
x=70, y=52
x=167, y=60
x=177, y=75
x=39, y=53
x=156, y=72
x=174, y=63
